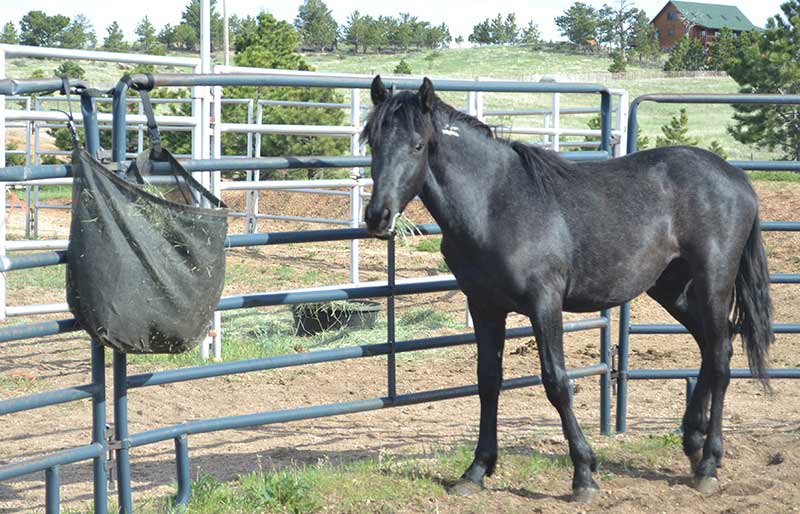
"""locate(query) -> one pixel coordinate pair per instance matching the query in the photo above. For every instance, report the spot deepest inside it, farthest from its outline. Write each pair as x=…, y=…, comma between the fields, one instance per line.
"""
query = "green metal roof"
x=714, y=16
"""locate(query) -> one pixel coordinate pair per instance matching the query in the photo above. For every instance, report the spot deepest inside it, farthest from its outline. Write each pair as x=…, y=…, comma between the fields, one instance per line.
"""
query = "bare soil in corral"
x=761, y=470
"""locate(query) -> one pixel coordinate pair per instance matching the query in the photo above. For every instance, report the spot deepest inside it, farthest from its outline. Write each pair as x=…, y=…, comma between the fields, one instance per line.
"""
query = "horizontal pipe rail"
x=319, y=356
x=672, y=328
x=335, y=409
x=58, y=458
x=47, y=398
x=94, y=55
x=678, y=373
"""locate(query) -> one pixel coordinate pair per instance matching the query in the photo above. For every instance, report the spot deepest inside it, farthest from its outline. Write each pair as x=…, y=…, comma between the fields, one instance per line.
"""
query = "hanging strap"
x=152, y=128
x=65, y=89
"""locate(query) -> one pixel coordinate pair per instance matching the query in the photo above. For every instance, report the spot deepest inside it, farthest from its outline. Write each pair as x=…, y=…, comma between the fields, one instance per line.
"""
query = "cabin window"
x=671, y=32
x=672, y=15
x=702, y=33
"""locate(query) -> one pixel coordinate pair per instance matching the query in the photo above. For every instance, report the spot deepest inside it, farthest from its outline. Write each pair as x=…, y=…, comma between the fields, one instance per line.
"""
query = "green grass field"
x=707, y=122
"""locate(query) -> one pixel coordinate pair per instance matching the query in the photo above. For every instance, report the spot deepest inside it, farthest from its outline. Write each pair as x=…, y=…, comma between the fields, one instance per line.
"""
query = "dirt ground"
x=758, y=425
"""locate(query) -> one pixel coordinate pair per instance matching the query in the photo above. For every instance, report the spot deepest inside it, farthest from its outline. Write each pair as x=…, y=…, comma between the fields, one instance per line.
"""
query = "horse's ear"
x=378, y=91
x=426, y=95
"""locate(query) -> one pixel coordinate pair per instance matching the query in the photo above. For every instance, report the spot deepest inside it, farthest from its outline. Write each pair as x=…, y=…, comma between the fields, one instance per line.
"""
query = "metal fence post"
x=121, y=433
x=52, y=500
x=182, y=470
x=99, y=428
x=605, y=378
x=622, y=371
x=621, y=147
x=391, y=360
x=355, y=173
x=556, y=122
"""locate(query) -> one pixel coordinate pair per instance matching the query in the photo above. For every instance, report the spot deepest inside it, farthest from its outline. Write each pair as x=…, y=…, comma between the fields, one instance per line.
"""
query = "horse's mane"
x=543, y=165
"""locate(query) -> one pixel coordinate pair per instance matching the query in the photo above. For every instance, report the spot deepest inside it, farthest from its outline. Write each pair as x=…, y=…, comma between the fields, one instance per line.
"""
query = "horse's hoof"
x=584, y=494
x=695, y=458
x=465, y=488
x=706, y=485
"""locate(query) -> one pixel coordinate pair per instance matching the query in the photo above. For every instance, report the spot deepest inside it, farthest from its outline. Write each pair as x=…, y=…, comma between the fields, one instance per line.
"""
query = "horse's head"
x=399, y=131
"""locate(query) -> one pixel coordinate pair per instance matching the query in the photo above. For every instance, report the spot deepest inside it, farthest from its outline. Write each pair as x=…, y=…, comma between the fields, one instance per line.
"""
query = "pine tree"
x=79, y=34
x=687, y=55
x=676, y=132
x=115, y=40
x=723, y=50
x=402, y=68
x=717, y=149
x=315, y=23
x=769, y=62
x=147, y=40
x=9, y=34
x=271, y=45
x=530, y=36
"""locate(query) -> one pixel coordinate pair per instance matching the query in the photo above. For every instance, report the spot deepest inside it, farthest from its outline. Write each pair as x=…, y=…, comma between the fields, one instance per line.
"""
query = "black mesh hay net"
x=146, y=257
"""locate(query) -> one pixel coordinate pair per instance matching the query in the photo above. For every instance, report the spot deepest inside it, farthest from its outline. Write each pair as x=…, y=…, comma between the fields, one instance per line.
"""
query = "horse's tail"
x=752, y=309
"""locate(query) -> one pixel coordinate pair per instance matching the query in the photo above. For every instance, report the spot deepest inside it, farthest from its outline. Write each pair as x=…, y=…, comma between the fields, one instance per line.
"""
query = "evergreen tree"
x=402, y=68
x=579, y=24
x=316, y=25
x=79, y=34
x=717, y=149
x=482, y=33
x=272, y=45
x=191, y=19
x=146, y=32
x=643, y=42
x=676, y=132
x=9, y=34
x=769, y=62
x=115, y=40
x=38, y=29
x=687, y=55
x=530, y=36
x=70, y=69
x=723, y=50
x=356, y=31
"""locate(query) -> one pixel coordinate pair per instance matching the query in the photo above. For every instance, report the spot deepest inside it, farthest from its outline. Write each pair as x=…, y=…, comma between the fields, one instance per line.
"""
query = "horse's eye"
x=418, y=147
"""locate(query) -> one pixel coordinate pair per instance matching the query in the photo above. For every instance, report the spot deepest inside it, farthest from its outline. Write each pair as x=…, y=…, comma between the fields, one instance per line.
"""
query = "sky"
x=459, y=15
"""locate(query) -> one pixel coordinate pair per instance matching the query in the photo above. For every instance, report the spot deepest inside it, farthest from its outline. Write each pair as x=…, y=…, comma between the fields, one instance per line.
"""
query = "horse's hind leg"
x=674, y=291
x=702, y=305
x=717, y=291
x=547, y=326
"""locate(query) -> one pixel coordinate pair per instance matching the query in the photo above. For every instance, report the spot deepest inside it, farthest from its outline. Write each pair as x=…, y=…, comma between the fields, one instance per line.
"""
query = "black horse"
x=527, y=231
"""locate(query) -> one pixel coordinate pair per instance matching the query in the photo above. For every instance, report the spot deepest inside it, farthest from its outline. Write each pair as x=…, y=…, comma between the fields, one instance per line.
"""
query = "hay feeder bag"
x=146, y=257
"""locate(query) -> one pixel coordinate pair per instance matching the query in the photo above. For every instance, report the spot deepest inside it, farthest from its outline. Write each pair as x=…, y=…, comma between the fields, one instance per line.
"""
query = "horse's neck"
x=463, y=169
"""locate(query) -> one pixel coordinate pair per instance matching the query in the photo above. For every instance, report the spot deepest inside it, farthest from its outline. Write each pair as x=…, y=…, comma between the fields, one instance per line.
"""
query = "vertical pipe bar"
x=355, y=192
x=391, y=360
x=90, y=128
x=605, y=378
x=257, y=173
x=182, y=469
x=217, y=336
x=622, y=125
x=556, y=121
x=248, y=208
x=118, y=104
x=633, y=125
x=140, y=131
x=52, y=500
x=622, y=372
x=3, y=190
x=99, y=428
x=605, y=122
x=121, y=433
x=355, y=221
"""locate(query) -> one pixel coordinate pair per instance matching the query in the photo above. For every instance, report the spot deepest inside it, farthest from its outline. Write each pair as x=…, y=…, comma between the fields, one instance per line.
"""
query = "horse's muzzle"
x=378, y=220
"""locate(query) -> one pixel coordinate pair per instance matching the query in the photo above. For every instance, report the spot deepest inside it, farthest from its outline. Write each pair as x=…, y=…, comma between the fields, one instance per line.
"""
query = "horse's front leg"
x=547, y=326
x=490, y=327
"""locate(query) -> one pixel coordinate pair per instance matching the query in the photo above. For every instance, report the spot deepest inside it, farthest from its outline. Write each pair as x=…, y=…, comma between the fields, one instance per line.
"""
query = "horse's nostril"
x=385, y=215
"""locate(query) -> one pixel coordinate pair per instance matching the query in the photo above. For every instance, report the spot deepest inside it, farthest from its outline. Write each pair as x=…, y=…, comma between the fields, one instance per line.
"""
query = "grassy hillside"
x=707, y=123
